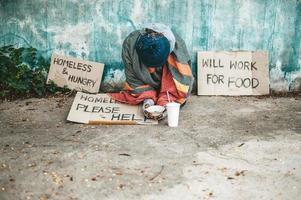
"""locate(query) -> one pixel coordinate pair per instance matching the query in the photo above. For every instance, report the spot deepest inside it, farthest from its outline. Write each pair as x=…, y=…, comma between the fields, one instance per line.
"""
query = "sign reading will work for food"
x=233, y=73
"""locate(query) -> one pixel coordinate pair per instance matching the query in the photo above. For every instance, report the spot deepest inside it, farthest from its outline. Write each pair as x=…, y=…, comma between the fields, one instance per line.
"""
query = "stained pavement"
x=224, y=148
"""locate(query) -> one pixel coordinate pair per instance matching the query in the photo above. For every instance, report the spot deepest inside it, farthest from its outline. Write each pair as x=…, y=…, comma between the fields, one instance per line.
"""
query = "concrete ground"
x=225, y=148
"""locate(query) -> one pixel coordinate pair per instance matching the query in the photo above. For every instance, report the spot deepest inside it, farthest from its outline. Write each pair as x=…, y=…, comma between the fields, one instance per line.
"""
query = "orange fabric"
x=143, y=86
x=127, y=86
x=182, y=68
x=173, y=74
x=134, y=99
x=167, y=84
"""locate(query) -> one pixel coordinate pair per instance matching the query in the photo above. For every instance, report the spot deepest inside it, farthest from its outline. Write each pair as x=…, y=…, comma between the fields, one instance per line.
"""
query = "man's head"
x=153, y=49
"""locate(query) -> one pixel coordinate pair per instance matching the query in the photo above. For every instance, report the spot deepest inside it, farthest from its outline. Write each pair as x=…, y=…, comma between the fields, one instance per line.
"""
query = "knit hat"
x=153, y=49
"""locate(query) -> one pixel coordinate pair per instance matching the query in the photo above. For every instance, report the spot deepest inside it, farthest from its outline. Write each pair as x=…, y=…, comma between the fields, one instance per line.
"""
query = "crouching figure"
x=157, y=69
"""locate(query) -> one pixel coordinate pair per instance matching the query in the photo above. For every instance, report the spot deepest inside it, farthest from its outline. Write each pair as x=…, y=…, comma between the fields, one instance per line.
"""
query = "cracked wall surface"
x=94, y=30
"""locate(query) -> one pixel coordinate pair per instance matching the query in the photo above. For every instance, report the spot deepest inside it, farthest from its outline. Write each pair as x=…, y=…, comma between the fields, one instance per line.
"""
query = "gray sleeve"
x=127, y=58
x=181, y=51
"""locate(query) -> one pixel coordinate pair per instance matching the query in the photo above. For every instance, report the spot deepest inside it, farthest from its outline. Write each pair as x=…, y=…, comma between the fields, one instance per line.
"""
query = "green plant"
x=23, y=73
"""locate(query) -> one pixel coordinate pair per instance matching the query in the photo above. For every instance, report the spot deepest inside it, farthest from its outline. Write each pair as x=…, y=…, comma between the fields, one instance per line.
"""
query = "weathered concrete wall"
x=94, y=30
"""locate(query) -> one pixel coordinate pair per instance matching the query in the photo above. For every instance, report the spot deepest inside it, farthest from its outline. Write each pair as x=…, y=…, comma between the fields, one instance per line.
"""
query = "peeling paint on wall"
x=94, y=30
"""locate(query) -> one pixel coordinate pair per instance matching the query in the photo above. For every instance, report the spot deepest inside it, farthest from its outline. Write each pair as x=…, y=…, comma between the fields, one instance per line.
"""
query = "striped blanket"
x=144, y=82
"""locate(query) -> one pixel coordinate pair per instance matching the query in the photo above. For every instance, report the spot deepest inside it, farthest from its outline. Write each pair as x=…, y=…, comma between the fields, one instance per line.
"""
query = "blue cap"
x=153, y=50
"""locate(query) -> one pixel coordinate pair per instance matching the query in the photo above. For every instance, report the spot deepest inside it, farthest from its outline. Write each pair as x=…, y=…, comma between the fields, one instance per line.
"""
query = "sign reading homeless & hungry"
x=75, y=73
x=233, y=73
x=102, y=109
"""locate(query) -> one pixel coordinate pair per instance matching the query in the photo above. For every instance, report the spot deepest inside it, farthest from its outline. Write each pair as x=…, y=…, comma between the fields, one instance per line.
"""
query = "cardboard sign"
x=102, y=109
x=233, y=73
x=74, y=73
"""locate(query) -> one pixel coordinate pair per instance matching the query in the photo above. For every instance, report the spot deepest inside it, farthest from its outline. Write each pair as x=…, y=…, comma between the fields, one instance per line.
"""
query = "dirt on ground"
x=224, y=148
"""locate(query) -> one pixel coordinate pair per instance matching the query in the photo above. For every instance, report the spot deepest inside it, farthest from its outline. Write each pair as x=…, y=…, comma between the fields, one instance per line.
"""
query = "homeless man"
x=156, y=61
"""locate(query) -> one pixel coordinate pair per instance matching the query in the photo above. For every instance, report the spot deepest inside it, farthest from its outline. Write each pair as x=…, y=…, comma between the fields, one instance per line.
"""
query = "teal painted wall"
x=94, y=30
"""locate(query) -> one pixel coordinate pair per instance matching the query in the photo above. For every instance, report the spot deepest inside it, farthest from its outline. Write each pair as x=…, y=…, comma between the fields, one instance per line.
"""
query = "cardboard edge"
x=101, y=65
x=237, y=51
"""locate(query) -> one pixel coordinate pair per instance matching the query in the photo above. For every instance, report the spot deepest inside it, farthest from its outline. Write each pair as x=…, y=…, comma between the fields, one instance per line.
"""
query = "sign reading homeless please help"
x=102, y=109
x=233, y=73
x=75, y=73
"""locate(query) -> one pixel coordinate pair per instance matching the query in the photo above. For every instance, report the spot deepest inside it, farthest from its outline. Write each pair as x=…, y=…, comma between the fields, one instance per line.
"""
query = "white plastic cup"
x=173, y=110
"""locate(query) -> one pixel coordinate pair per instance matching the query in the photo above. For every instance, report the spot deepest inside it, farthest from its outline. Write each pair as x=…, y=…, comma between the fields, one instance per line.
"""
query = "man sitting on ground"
x=156, y=62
